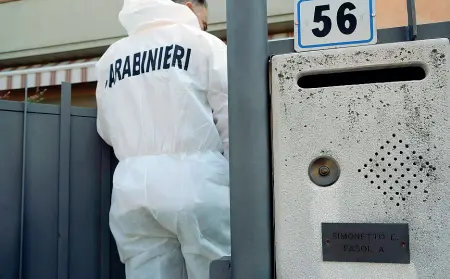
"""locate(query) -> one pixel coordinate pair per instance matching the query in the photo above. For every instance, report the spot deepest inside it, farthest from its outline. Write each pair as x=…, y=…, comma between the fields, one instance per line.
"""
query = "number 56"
x=341, y=20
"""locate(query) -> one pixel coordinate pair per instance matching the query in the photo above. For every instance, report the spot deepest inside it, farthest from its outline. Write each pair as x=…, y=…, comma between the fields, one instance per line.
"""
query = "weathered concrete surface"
x=392, y=143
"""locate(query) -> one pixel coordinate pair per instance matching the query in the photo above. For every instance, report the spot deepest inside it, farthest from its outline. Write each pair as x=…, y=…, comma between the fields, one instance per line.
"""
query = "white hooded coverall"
x=163, y=106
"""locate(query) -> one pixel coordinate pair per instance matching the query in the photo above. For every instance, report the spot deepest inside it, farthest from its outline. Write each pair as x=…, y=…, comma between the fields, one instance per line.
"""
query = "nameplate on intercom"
x=365, y=242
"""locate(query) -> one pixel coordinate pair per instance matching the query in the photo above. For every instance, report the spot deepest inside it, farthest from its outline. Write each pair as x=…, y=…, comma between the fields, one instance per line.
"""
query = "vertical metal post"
x=412, y=19
x=24, y=164
x=64, y=182
x=250, y=149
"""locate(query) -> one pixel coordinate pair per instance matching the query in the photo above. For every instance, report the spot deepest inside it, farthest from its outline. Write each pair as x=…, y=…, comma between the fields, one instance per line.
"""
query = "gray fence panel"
x=105, y=234
x=85, y=199
x=68, y=182
x=64, y=183
x=117, y=268
x=10, y=192
x=41, y=197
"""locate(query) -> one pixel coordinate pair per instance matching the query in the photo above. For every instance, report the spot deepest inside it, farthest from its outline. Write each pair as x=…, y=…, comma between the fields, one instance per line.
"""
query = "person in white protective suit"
x=163, y=106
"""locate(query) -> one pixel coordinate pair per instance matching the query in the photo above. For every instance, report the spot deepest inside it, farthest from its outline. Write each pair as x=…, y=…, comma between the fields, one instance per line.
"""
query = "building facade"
x=46, y=42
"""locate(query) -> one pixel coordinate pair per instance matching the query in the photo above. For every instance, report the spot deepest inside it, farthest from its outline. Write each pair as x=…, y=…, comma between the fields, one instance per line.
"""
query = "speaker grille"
x=399, y=172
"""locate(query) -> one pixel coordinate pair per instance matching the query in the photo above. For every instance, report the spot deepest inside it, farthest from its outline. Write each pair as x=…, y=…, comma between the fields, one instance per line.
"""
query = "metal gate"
x=55, y=189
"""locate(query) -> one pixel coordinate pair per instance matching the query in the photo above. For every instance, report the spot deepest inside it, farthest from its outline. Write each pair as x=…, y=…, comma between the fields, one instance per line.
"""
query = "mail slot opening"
x=367, y=76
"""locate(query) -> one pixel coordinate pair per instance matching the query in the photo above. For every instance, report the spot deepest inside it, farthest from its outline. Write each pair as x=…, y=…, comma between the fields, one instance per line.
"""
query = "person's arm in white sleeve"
x=218, y=91
x=99, y=93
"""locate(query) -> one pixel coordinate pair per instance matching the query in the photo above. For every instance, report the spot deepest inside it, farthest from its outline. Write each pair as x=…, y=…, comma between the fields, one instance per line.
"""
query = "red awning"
x=77, y=71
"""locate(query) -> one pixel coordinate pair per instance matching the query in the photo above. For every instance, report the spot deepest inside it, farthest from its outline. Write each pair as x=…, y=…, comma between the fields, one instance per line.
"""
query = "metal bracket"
x=220, y=269
x=412, y=20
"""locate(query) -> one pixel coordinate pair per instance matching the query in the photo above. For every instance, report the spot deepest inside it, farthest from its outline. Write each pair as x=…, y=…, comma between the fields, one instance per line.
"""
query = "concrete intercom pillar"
x=362, y=162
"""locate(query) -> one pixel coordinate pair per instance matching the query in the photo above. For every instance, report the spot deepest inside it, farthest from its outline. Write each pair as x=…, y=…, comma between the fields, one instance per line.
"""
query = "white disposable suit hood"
x=139, y=14
x=162, y=104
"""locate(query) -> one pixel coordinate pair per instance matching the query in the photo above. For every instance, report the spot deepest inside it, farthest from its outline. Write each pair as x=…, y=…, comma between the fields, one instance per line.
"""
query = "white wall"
x=40, y=27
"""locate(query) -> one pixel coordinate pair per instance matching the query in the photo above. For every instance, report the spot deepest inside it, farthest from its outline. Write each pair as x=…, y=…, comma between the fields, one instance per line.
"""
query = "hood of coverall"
x=140, y=14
